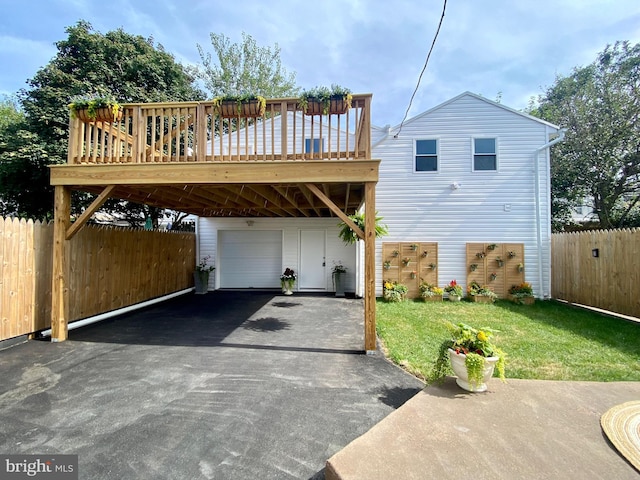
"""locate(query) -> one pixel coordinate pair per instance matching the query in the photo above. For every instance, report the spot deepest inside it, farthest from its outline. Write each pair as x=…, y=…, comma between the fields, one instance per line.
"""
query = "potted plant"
x=414, y=274
x=92, y=108
x=430, y=293
x=491, y=246
x=499, y=261
x=201, y=275
x=471, y=355
x=481, y=293
x=520, y=267
x=493, y=276
x=512, y=254
x=245, y=106
x=473, y=267
x=338, y=274
x=287, y=280
x=387, y=264
x=454, y=290
x=406, y=261
x=414, y=246
x=522, y=294
x=394, y=291
x=325, y=101
x=433, y=266
x=480, y=255
x=425, y=254
x=349, y=237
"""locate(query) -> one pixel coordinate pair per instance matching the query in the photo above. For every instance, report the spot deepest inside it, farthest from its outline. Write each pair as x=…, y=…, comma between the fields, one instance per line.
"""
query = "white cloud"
x=372, y=46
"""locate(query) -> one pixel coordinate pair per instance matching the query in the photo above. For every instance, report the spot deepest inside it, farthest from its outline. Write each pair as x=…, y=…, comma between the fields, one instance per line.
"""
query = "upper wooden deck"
x=185, y=157
x=192, y=132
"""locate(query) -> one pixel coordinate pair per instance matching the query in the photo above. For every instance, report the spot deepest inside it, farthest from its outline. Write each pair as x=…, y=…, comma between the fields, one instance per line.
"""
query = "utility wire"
x=444, y=8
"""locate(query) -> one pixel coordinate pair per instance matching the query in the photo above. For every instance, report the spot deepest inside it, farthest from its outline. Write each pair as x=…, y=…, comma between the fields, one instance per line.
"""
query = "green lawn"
x=548, y=340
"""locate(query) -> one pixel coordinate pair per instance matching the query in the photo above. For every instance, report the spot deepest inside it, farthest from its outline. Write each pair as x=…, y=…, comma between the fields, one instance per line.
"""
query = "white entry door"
x=312, y=260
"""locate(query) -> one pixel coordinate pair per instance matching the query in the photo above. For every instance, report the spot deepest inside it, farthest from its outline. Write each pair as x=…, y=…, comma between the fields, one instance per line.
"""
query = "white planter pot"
x=460, y=369
x=454, y=298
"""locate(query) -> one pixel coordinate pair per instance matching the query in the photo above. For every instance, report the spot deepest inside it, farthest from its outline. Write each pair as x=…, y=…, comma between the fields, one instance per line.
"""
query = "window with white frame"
x=485, y=154
x=318, y=146
x=426, y=155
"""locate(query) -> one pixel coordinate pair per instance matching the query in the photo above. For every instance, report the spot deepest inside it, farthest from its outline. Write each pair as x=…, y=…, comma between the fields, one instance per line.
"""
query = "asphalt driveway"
x=228, y=385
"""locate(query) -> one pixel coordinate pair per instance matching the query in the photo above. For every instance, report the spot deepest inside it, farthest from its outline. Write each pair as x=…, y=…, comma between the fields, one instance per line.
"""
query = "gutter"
x=115, y=313
x=546, y=146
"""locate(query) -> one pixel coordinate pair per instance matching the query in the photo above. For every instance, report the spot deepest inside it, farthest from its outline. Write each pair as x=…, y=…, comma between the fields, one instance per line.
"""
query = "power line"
x=444, y=8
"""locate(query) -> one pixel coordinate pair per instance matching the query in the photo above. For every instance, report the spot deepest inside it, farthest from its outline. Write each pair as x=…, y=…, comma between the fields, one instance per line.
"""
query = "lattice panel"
x=410, y=263
x=495, y=265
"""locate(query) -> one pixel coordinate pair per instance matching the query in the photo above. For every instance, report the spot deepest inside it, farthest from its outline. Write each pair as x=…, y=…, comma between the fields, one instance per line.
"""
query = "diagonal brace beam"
x=91, y=209
x=334, y=208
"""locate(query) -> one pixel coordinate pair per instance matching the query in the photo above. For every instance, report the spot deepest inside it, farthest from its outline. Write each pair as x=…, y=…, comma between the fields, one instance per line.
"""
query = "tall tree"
x=129, y=67
x=23, y=161
x=245, y=68
x=599, y=160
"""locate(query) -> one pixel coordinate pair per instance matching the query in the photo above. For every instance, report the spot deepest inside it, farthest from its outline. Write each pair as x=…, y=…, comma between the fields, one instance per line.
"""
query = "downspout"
x=539, y=150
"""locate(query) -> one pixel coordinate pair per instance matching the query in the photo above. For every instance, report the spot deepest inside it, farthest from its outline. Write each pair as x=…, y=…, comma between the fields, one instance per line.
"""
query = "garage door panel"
x=250, y=259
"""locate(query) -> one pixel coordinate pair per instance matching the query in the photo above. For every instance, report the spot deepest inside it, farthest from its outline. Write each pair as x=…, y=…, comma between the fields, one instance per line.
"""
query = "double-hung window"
x=426, y=155
x=313, y=145
x=485, y=154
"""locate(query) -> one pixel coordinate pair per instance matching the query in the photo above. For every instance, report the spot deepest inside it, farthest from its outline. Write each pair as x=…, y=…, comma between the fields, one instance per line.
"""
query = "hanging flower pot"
x=92, y=108
x=325, y=101
x=240, y=106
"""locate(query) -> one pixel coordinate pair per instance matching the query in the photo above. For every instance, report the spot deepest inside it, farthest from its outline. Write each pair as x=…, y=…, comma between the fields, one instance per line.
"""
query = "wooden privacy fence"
x=109, y=268
x=598, y=268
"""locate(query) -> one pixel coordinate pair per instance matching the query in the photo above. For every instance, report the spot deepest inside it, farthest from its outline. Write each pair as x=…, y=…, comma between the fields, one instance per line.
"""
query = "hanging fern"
x=349, y=237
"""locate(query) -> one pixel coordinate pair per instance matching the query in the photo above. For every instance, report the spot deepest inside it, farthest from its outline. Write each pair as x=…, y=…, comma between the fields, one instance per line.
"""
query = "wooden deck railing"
x=192, y=132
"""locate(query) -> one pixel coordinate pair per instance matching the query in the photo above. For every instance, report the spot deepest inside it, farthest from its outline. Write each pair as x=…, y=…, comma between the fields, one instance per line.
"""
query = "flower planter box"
x=249, y=109
x=102, y=115
x=523, y=300
x=434, y=298
x=337, y=106
x=482, y=299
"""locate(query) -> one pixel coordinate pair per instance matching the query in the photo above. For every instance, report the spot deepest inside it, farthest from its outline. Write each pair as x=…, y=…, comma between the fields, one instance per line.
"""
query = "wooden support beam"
x=91, y=209
x=334, y=208
x=308, y=195
x=276, y=172
x=59, y=291
x=370, y=268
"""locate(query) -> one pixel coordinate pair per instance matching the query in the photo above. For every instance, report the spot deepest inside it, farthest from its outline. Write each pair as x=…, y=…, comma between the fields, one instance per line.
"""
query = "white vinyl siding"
x=496, y=208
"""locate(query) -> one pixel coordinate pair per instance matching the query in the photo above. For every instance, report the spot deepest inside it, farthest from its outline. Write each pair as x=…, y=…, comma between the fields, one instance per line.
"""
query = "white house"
x=469, y=171
x=469, y=176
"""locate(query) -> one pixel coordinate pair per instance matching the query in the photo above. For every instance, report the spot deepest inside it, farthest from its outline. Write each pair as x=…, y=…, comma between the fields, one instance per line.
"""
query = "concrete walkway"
x=228, y=385
x=525, y=429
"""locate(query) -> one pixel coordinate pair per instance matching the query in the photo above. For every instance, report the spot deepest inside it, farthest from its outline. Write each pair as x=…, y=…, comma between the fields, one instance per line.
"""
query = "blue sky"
x=512, y=47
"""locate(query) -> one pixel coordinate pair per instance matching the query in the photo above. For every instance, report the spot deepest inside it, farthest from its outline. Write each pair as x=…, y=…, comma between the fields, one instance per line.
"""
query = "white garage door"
x=250, y=258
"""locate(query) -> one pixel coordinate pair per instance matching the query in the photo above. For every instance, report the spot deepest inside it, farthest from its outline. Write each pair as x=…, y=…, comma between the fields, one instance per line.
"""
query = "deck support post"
x=370, y=267
x=59, y=289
